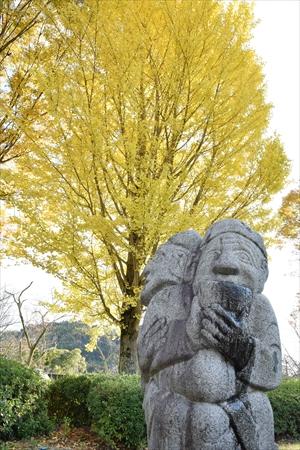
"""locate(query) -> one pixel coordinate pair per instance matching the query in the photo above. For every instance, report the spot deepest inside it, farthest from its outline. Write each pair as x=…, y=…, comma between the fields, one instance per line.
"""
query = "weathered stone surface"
x=209, y=344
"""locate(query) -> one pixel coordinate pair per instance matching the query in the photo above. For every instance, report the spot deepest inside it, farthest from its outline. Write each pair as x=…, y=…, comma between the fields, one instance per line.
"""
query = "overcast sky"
x=276, y=40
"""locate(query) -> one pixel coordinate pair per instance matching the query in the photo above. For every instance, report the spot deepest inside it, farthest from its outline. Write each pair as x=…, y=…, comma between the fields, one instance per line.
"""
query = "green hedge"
x=117, y=415
x=116, y=411
x=67, y=399
x=110, y=404
x=285, y=401
x=23, y=406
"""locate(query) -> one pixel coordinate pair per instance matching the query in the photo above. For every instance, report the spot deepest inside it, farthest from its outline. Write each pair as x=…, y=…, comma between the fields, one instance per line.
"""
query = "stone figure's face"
x=167, y=267
x=232, y=257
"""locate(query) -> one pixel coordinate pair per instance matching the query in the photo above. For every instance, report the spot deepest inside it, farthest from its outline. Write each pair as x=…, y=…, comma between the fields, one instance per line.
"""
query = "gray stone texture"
x=209, y=344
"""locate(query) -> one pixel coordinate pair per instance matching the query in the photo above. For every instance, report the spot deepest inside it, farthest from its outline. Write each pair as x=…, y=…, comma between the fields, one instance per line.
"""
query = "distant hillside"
x=71, y=335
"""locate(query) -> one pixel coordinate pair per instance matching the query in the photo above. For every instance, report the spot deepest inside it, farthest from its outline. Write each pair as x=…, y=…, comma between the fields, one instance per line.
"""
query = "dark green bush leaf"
x=23, y=405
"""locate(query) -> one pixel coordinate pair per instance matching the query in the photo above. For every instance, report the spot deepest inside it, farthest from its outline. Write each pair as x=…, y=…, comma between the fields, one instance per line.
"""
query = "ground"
x=83, y=439
x=77, y=439
x=287, y=446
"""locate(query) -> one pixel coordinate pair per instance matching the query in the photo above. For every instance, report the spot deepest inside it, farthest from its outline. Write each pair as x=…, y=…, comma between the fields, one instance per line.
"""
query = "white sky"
x=276, y=40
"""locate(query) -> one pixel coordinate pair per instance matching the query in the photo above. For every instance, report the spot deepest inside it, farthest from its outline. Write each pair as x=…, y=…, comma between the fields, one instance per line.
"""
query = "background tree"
x=33, y=330
x=290, y=216
x=291, y=363
x=100, y=353
x=64, y=362
x=153, y=120
x=101, y=356
x=6, y=319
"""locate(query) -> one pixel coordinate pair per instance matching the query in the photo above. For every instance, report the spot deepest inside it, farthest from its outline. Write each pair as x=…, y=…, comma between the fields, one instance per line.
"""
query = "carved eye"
x=213, y=254
x=159, y=255
x=245, y=257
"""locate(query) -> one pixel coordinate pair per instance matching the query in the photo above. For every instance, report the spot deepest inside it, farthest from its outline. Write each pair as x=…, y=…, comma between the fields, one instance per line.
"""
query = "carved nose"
x=225, y=269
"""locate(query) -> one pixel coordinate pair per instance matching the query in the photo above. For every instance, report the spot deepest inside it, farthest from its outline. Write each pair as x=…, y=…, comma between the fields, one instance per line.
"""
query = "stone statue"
x=209, y=344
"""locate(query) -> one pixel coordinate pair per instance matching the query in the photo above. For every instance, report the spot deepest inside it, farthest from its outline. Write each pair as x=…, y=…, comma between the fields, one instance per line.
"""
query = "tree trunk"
x=20, y=350
x=128, y=345
x=130, y=318
x=30, y=357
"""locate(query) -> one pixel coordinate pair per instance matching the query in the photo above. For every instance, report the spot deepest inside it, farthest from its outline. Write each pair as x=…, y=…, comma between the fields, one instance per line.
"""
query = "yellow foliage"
x=20, y=33
x=290, y=216
x=152, y=120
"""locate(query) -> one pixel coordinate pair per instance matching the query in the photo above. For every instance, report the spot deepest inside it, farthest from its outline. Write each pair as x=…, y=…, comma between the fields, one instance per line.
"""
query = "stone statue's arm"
x=163, y=344
x=151, y=337
x=163, y=339
x=263, y=370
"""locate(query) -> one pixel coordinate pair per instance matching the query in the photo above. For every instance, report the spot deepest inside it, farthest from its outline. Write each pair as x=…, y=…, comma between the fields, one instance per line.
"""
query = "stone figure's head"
x=174, y=263
x=231, y=251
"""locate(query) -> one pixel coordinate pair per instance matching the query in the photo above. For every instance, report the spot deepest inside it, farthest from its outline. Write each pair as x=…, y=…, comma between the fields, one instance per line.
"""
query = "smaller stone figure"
x=209, y=346
x=168, y=286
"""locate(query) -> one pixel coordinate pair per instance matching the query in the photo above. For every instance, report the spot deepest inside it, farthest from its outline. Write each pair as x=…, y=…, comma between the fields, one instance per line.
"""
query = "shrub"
x=115, y=404
x=23, y=406
x=285, y=401
x=112, y=405
x=67, y=399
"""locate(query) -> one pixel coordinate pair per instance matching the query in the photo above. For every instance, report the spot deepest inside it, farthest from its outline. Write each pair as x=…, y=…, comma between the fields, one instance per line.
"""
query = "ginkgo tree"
x=21, y=25
x=153, y=120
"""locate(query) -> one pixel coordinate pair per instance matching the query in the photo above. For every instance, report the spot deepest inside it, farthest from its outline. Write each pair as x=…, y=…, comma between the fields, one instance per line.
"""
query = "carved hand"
x=227, y=335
